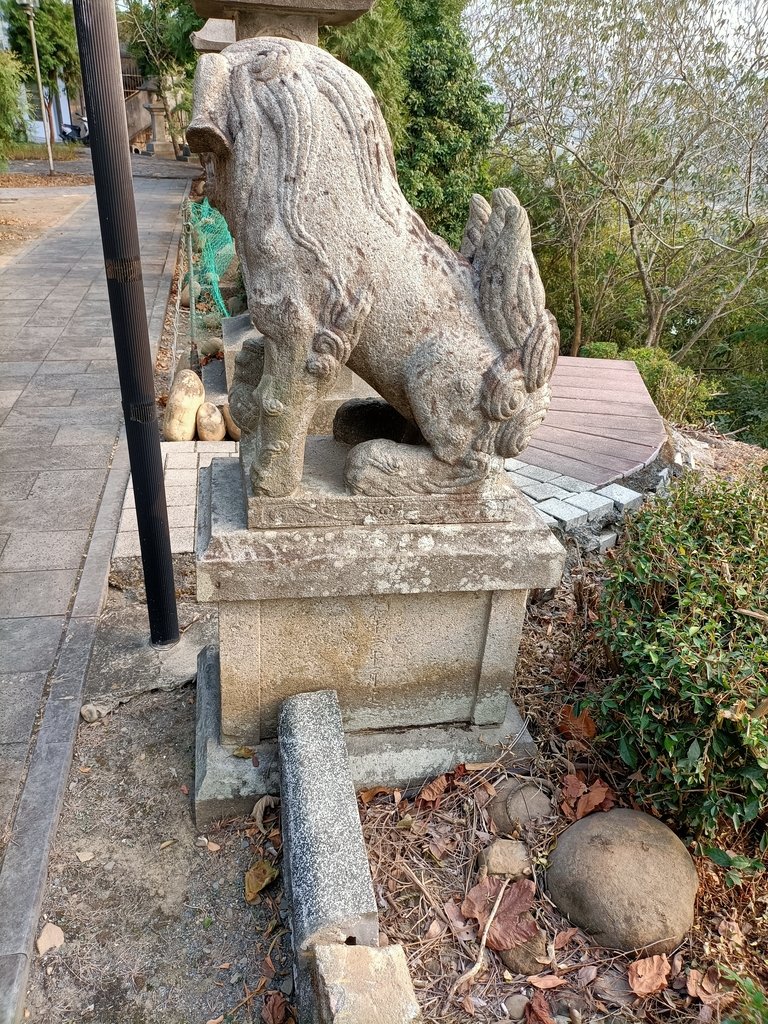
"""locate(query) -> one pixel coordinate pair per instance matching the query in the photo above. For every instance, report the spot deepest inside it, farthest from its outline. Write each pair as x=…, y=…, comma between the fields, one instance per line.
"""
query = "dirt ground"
x=156, y=926
x=24, y=219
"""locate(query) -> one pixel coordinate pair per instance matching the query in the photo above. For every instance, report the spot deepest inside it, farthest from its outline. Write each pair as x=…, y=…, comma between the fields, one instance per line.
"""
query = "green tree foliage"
x=685, y=615
x=451, y=121
x=375, y=46
x=11, y=113
x=417, y=59
x=157, y=35
x=56, y=46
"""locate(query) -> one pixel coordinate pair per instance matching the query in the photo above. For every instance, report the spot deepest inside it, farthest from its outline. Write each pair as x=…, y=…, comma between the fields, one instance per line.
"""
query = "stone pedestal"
x=410, y=608
x=160, y=144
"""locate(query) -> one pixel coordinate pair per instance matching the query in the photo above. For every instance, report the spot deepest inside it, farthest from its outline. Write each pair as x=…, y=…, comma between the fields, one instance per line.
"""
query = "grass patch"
x=38, y=151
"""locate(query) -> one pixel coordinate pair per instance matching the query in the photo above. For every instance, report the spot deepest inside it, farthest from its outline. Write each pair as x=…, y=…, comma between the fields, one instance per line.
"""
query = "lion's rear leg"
x=384, y=467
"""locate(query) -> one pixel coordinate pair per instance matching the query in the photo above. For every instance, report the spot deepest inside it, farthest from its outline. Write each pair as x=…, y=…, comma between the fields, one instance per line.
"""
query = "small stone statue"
x=339, y=269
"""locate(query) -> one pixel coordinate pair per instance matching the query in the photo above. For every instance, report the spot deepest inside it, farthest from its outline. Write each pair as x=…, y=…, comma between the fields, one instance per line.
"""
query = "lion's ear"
x=207, y=131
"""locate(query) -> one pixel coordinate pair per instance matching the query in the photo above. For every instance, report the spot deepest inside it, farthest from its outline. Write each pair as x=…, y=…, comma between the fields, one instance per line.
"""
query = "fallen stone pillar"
x=360, y=985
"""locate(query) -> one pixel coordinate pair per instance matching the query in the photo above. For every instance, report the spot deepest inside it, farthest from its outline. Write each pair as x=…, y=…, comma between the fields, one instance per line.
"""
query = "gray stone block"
x=13, y=986
x=357, y=984
x=570, y=483
x=606, y=540
x=536, y=472
x=564, y=512
x=595, y=505
x=540, y=491
x=332, y=898
x=622, y=497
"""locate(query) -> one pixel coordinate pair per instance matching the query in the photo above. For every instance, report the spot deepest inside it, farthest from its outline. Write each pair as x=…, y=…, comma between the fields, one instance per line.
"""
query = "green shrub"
x=688, y=707
x=600, y=350
x=742, y=405
x=680, y=395
x=752, y=1004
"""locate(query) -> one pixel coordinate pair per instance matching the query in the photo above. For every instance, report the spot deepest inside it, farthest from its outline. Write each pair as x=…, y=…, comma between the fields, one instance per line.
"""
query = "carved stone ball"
x=626, y=879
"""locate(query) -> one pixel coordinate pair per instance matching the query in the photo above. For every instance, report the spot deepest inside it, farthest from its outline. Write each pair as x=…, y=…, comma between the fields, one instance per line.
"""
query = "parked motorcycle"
x=76, y=132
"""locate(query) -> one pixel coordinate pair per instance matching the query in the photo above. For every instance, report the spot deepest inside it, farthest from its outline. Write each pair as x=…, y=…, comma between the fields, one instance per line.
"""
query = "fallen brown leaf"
x=275, y=1008
x=648, y=976
x=434, y=931
x=258, y=877
x=546, y=981
x=431, y=793
x=262, y=805
x=367, y=795
x=246, y=753
x=585, y=975
x=599, y=796
x=468, y=1005
x=513, y=923
x=537, y=1010
x=576, y=727
x=563, y=938
x=461, y=928
x=706, y=987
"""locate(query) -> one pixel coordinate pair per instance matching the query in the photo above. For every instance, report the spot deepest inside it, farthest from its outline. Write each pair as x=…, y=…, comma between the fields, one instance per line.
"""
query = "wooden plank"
x=587, y=442
x=645, y=431
x=610, y=394
x=569, y=467
x=629, y=408
x=622, y=464
x=597, y=363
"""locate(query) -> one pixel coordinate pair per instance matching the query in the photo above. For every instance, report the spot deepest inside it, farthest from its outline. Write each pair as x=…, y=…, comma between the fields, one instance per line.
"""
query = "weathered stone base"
x=226, y=785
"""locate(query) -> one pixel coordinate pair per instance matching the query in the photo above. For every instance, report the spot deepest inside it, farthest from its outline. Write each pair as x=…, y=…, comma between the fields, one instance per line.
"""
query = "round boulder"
x=625, y=878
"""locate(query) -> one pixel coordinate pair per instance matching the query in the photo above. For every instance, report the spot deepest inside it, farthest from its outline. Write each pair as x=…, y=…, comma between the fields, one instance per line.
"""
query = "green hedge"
x=680, y=395
x=600, y=350
x=688, y=706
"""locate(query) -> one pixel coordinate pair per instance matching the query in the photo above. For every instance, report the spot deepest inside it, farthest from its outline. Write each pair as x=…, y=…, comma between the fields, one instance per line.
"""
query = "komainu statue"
x=339, y=269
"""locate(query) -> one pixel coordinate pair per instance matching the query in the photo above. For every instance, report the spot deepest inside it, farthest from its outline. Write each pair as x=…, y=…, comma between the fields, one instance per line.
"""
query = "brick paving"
x=59, y=422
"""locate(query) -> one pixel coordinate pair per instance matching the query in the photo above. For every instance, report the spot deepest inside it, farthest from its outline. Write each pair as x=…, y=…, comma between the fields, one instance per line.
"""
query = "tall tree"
x=56, y=46
x=11, y=112
x=375, y=47
x=650, y=121
x=157, y=35
x=417, y=59
x=451, y=120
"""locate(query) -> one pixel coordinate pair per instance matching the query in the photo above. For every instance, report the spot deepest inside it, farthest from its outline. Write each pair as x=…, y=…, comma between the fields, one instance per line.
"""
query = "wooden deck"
x=602, y=424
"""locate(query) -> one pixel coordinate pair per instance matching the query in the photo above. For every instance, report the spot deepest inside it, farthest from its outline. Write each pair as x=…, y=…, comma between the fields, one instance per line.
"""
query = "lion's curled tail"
x=497, y=243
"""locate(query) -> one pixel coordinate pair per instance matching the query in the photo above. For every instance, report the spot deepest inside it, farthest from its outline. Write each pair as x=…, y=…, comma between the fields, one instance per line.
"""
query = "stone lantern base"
x=410, y=608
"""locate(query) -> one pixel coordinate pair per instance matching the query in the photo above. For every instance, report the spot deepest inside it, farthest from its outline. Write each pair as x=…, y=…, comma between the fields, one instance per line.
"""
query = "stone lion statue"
x=339, y=269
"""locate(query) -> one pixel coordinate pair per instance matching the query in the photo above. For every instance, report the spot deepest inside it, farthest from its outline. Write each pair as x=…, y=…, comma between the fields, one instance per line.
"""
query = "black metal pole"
x=96, y=25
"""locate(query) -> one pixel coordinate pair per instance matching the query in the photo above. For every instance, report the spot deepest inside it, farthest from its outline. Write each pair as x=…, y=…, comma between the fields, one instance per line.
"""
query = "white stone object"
x=210, y=423
x=186, y=396
x=564, y=512
x=363, y=985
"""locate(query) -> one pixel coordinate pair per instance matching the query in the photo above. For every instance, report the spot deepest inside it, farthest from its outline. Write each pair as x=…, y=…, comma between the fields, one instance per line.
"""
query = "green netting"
x=213, y=243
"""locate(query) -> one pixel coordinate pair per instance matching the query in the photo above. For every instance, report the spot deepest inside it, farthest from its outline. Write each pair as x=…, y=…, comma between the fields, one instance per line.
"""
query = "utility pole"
x=96, y=26
x=30, y=6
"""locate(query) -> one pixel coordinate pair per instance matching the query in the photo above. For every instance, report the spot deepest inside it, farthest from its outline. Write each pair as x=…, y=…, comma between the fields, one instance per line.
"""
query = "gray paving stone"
x=39, y=457
x=84, y=434
x=26, y=594
x=29, y=645
x=570, y=483
x=564, y=512
x=56, y=549
x=72, y=485
x=595, y=505
x=19, y=703
x=16, y=486
x=549, y=520
x=541, y=491
x=537, y=473
x=623, y=497
x=511, y=465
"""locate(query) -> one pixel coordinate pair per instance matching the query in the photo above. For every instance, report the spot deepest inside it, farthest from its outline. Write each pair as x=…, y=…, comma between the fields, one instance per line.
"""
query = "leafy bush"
x=11, y=112
x=600, y=350
x=742, y=405
x=752, y=1005
x=685, y=615
x=680, y=394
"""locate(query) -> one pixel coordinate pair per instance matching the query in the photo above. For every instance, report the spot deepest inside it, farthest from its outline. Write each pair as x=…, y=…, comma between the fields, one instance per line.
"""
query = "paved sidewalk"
x=59, y=509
